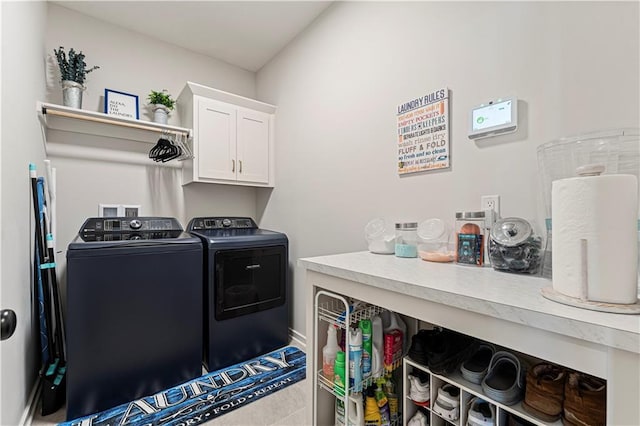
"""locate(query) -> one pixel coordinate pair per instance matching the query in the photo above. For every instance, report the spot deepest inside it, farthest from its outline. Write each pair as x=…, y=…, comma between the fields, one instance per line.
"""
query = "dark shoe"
x=419, y=344
x=544, y=393
x=447, y=350
x=504, y=381
x=585, y=400
x=475, y=368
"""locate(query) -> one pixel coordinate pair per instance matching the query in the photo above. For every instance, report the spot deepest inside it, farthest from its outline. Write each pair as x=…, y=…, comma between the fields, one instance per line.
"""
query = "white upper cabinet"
x=232, y=137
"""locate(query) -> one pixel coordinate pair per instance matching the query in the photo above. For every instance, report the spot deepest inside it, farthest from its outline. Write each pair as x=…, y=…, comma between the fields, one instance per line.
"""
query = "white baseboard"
x=32, y=404
x=300, y=339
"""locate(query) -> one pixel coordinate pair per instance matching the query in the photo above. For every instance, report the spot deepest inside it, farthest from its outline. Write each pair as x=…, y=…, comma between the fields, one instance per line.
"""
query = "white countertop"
x=510, y=297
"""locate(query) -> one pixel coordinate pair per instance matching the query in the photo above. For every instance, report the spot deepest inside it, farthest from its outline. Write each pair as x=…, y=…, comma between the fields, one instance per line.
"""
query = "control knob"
x=226, y=223
x=135, y=224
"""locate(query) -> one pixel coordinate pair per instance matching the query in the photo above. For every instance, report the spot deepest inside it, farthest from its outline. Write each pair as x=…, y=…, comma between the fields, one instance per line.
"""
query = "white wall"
x=23, y=82
x=575, y=67
x=136, y=64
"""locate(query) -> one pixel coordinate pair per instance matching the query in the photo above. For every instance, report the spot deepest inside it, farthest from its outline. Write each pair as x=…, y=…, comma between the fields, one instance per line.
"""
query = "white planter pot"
x=160, y=113
x=72, y=94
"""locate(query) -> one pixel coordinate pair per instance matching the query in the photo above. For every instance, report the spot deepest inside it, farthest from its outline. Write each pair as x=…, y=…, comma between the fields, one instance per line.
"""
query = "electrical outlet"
x=491, y=202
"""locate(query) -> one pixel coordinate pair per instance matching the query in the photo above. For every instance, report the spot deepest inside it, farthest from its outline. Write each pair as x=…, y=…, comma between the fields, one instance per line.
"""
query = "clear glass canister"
x=435, y=243
x=406, y=239
x=470, y=238
x=380, y=237
x=514, y=247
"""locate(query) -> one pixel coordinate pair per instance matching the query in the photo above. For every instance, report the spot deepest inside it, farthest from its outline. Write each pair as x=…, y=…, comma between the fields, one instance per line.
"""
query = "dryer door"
x=249, y=280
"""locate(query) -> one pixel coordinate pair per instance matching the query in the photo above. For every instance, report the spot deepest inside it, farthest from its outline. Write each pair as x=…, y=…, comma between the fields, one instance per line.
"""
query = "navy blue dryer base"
x=242, y=338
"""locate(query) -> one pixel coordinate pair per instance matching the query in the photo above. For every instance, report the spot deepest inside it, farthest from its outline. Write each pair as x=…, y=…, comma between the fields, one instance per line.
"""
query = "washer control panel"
x=129, y=228
x=201, y=223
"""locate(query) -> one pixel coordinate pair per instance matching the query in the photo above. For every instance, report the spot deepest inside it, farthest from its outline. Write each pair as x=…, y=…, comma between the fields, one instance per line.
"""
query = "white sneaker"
x=480, y=413
x=418, y=391
x=447, y=403
x=418, y=419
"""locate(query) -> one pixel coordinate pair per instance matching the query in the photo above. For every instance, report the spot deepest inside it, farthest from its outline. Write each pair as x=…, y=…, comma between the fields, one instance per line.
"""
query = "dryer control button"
x=226, y=223
x=135, y=224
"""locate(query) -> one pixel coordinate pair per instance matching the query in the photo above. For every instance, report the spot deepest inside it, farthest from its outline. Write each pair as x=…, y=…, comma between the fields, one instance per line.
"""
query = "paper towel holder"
x=583, y=302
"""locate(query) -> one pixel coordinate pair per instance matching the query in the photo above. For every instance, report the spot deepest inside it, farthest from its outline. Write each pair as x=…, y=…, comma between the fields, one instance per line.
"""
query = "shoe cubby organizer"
x=466, y=391
x=330, y=310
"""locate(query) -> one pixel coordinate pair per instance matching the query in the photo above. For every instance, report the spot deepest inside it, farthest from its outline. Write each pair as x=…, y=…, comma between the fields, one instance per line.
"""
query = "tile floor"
x=282, y=408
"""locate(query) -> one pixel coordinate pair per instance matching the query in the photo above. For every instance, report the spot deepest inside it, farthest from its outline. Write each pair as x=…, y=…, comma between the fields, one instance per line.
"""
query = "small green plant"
x=72, y=67
x=162, y=98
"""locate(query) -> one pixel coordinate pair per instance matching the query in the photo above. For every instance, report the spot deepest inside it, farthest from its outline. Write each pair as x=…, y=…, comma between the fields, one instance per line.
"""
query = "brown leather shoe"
x=544, y=393
x=585, y=400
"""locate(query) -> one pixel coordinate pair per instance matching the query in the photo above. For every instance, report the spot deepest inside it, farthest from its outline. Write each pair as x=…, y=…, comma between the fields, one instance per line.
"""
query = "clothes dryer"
x=246, y=307
x=134, y=311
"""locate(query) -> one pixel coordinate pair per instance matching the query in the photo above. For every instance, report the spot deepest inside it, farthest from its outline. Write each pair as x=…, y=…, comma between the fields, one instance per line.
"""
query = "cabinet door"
x=216, y=153
x=253, y=146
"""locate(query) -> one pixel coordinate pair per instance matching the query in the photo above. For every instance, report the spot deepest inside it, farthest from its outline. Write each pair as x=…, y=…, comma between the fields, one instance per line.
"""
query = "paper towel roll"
x=595, y=245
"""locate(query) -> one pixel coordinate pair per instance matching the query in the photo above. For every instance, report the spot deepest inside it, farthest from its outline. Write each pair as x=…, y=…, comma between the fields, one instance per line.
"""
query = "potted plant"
x=73, y=72
x=161, y=103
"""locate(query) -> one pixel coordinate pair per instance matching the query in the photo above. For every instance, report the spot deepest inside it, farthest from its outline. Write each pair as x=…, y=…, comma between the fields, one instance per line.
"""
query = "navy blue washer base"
x=134, y=319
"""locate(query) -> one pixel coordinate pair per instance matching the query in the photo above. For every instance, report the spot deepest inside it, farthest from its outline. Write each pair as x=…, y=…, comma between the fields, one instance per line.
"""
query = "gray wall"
x=136, y=64
x=23, y=71
x=574, y=65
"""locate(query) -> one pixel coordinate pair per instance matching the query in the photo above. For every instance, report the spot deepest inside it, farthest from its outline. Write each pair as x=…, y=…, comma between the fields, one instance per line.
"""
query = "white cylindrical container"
x=595, y=246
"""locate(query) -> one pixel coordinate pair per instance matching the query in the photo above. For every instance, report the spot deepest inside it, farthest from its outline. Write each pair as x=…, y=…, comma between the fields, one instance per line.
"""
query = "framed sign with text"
x=423, y=133
x=121, y=104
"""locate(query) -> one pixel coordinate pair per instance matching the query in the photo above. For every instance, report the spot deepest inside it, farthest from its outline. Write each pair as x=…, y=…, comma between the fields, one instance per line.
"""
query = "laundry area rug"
x=207, y=397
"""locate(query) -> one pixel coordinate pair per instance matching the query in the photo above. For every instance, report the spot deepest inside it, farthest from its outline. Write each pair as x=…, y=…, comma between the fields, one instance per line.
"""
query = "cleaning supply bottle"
x=329, y=353
x=383, y=405
x=377, y=337
x=339, y=370
x=371, y=411
x=356, y=410
x=367, y=347
x=355, y=359
x=392, y=321
x=389, y=388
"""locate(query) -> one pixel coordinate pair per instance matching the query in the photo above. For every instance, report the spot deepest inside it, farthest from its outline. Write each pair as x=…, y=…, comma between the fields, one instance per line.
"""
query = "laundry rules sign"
x=423, y=133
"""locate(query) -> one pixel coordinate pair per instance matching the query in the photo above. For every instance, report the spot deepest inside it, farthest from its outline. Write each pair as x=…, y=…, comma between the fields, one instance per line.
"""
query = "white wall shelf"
x=68, y=119
x=73, y=120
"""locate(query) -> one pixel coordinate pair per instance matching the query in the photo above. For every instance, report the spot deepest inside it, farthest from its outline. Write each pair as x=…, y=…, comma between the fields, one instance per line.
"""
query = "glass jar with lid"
x=514, y=247
x=380, y=237
x=406, y=243
x=470, y=238
x=435, y=241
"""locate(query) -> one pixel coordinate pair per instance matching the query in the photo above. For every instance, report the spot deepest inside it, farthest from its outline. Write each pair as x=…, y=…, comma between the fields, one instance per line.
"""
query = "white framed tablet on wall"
x=493, y=118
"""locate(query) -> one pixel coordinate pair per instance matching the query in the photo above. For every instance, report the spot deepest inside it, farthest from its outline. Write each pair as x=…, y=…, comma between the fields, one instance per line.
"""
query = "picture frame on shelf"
x=121, y=104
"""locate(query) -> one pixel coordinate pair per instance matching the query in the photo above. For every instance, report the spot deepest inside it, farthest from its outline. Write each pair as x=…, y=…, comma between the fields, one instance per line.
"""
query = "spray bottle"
x=390, y=390
x=383, y=405
x=329, y=353
x=355, y=359
x=367, y=348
